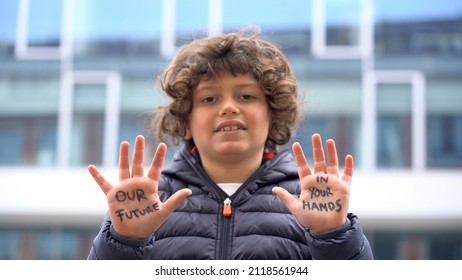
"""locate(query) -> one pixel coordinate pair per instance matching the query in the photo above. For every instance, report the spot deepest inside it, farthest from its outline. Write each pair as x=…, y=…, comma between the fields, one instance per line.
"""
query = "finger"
x=318, y=154
x=99, y=178
x=124, y=164
x=175, y=200
x=332, y=157
x=138, y=157
x=286, y=198
x=348, y=170
x=157, y=162
x=300, y=159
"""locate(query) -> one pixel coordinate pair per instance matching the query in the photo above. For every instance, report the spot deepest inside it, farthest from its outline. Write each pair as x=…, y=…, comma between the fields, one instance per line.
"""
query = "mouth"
x=230, y=126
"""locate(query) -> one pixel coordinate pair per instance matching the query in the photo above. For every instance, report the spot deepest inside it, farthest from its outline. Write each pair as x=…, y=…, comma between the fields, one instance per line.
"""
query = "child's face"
x=230, y=117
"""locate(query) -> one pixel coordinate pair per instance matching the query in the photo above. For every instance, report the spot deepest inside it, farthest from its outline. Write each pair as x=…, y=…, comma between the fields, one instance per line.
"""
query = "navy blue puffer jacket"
x=260, y=227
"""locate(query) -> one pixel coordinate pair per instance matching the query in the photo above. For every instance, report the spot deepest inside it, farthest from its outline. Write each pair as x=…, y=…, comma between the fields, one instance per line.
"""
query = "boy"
x=229, y=192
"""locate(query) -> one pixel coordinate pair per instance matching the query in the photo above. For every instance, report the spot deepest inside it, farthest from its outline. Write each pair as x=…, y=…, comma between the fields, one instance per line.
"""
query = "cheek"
x=197, y=124
x=263, y=122
x=265, y=118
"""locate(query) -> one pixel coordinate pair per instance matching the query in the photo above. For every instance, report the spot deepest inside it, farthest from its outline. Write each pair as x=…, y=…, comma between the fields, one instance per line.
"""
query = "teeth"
x=229, y=128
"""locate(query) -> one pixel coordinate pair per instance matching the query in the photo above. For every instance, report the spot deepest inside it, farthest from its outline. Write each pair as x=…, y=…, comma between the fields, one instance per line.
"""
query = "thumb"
x=175, y=200
x=286, y=198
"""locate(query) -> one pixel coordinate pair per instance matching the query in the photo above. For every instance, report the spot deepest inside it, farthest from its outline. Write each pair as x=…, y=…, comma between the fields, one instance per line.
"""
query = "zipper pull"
x=227, y=211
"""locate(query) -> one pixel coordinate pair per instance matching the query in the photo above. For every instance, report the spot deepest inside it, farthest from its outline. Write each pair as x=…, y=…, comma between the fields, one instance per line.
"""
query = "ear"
x=188, y=134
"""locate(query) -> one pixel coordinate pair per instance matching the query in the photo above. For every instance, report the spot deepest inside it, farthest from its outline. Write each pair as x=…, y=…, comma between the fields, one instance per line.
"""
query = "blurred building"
x=383, y=78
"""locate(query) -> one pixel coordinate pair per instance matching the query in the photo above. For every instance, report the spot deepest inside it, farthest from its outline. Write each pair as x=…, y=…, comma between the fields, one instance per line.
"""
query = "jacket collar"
x=186, y=166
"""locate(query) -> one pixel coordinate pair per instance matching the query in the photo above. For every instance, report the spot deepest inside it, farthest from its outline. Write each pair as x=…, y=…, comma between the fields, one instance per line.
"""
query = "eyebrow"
x=241, y=85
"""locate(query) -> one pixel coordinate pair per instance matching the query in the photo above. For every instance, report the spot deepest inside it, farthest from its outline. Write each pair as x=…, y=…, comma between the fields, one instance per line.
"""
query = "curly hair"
x=237, y=53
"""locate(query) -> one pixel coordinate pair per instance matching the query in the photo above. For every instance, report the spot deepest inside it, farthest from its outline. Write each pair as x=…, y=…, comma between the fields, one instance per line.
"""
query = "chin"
x=231, y=149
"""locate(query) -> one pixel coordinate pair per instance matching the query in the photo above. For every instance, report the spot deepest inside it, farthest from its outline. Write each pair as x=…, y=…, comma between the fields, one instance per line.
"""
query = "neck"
x=231, y=170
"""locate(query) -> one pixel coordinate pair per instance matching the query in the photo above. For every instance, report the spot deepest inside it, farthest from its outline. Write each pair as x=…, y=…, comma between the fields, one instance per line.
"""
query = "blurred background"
x=381, y=77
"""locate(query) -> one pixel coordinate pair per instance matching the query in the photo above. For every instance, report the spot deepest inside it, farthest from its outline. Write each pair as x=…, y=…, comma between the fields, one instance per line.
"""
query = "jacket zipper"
x=226, y=221
x=227, y=210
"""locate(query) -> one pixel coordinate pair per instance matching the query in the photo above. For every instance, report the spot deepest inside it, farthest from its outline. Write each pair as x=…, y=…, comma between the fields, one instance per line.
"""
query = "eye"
x=209, y=99
x=247, y=96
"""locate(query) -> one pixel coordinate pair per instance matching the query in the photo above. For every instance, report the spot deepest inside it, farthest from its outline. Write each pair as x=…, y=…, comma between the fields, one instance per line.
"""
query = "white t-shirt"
x=229, y=188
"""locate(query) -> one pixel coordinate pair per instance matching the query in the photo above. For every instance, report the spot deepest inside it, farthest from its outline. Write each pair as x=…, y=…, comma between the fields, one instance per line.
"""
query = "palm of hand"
x=324, y=198
x=134, y=205
x=323, y=202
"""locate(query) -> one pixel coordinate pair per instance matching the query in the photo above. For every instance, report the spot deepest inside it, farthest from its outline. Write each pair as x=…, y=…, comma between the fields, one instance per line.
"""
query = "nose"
x=229, y=107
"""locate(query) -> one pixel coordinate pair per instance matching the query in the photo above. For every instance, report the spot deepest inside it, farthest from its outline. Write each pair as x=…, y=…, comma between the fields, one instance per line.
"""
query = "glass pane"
x=28, y=110
x=8, y=25
x=88, y=124
x=125, y=30
x=446, y=246
x=9, y=244
x=188, y=22
x=10, y=143
x=394, y=136
x=44, y=246
x=444, y=141
x=44, y=25
x=271, y=15
x=342, y=21
x=68, y=244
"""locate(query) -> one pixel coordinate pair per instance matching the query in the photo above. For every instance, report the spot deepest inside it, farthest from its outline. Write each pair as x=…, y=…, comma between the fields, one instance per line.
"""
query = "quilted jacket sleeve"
x=347, y=242
x=108, y=245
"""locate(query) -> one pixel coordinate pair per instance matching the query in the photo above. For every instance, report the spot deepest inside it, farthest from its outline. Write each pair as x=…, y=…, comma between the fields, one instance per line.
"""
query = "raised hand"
x=134, y=205
x=324, y=197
